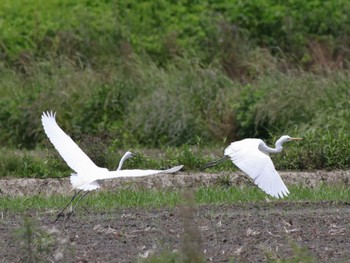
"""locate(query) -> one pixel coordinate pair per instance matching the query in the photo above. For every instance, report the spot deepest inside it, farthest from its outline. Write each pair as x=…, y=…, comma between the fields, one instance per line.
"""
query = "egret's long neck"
x=121, y=163
x=263, y=147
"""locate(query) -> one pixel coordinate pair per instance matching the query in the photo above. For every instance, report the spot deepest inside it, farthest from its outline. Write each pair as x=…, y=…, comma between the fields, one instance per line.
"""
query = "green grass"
x=106, y=201
x=318, y=150
x=42, y=163
x=30, y=164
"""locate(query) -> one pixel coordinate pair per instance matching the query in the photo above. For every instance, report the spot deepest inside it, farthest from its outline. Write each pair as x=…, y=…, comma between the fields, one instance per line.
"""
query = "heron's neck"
x=267, y=149
x=121, y=163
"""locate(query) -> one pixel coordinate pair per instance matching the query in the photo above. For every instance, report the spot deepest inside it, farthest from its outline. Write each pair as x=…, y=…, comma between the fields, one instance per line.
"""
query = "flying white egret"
x=126, y=156
x=87, y=174
x=252, y=157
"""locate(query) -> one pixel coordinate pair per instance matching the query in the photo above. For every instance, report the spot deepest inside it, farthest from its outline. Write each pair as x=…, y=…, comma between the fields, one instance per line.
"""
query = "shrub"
x=318, y=150
x=172, y=108
x=36, y=164
x=90, y=34
x=306, y=102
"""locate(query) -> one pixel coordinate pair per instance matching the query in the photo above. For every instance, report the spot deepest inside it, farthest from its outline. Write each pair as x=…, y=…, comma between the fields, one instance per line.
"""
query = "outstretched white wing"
x=258, y=165
x=67, y=148
x=138, y=172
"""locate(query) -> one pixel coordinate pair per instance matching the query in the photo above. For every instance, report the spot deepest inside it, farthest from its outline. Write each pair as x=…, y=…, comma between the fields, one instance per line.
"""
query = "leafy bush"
x=78, y=30
x=86, y=101
x=318, y=150
x=172, y=107
x=183, y=103
x=89, y=32
x=306, y=102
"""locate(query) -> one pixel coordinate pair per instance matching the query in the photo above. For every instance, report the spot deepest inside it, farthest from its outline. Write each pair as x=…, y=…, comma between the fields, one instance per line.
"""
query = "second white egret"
x=252, y=157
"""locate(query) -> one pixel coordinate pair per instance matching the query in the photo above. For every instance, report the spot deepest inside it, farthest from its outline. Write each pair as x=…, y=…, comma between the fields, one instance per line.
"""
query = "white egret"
x=252, y=157
x=87, y=174
x=126, y=156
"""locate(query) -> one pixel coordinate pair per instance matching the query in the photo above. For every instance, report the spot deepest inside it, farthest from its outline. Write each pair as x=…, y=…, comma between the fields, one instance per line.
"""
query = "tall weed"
x=154, y=106
x=172, y=108
x=38, y=245
x=306, y=102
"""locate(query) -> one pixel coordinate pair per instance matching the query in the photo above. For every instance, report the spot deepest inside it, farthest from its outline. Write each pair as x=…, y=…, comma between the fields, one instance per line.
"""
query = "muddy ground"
x=224, y=233
x=227, y=233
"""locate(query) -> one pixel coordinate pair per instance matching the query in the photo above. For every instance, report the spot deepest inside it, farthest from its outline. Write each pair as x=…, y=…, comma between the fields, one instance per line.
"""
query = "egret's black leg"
x=61, y=214
x=216, y=162
x=71, y=212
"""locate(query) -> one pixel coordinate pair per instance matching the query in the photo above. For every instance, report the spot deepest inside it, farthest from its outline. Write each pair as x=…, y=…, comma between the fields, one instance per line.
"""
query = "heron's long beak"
x=296, y=139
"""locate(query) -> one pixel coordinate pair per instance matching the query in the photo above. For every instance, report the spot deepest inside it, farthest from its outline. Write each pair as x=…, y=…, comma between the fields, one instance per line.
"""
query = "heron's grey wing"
x=246, y=155
x=67, y=148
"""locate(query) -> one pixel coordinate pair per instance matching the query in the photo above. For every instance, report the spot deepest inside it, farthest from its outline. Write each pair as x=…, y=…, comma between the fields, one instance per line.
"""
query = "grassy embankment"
x=102, y=201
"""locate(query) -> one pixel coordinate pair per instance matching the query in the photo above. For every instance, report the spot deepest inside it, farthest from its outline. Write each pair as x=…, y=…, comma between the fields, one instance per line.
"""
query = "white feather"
x=67, y=148
x=140, y=173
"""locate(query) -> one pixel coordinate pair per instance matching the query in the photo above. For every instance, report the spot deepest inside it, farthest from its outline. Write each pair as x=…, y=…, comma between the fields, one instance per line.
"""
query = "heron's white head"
x=283, y=139
x=287, y=138
x=128, y=155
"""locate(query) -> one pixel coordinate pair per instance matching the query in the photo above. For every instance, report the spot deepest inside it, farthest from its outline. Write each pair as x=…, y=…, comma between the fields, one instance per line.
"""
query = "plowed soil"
x=243, y=233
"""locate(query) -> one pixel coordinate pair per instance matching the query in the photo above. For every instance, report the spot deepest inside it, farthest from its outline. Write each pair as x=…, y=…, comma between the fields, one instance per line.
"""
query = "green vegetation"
x=300, y=254
x=105, y=201
x=40, y=164
x=317, y=150
x=38, y=245
x=89, y=32
x=181, y=104
x=175, y=82
x=160, y=74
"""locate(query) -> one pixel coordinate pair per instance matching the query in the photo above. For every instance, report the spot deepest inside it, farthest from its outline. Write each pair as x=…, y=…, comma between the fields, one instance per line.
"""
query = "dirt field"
x=243, y=233
x=225, y=233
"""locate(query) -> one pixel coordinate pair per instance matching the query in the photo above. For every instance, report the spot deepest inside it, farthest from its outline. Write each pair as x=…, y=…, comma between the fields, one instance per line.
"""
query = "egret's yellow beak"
x=296, y=139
